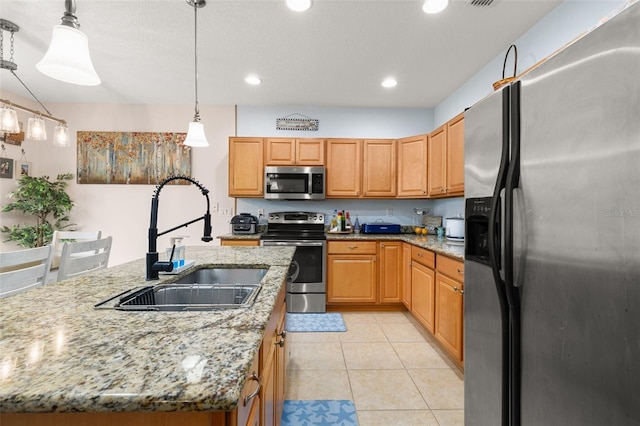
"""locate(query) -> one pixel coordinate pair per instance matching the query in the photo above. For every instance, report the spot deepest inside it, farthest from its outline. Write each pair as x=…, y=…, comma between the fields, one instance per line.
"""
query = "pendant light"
x=68, y=58
x=434, y=6
x=61, y=134
x=9, y=119
x=36, y=130
x=195, y=135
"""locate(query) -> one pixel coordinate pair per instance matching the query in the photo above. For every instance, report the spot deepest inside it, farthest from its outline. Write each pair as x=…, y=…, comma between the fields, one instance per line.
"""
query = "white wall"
x=123, y=211
x=563, y=24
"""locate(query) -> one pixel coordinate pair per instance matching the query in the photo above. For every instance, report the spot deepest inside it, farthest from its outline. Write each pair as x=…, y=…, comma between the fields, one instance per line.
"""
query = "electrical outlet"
x=260, y=212
x=215, y=207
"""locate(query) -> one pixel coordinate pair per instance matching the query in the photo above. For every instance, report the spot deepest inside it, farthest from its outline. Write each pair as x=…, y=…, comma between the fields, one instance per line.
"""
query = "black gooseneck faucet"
x=153, y=265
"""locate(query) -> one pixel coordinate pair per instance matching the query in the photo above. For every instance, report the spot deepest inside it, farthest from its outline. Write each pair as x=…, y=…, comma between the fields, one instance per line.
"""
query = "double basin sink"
x=201, y=290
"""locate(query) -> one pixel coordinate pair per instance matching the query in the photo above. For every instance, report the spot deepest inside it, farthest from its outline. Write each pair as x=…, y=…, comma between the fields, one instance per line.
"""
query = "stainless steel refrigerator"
x=552, y=254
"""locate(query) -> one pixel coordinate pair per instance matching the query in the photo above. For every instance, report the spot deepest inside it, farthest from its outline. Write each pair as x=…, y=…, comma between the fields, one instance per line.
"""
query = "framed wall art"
x=6, y=168
x=132, y=157
x=23, y=168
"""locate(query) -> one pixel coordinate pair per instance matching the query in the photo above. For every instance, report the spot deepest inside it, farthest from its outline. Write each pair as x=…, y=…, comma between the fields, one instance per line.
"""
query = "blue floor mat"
x=319, y=413
x=315, y=322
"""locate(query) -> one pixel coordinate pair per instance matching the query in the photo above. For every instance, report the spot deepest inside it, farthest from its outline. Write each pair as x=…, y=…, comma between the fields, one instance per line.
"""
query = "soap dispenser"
x=178, y=257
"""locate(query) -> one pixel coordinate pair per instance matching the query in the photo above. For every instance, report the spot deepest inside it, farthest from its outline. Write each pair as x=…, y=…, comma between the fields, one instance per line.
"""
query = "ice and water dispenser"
x=477, y=212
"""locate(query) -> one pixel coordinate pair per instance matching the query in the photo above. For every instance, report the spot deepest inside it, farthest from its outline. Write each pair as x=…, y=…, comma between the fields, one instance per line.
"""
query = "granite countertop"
x=59, y=354
x=430, y=242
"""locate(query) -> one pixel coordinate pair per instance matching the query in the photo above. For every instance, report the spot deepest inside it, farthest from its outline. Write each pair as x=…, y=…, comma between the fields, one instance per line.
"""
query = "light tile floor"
x=393, y=371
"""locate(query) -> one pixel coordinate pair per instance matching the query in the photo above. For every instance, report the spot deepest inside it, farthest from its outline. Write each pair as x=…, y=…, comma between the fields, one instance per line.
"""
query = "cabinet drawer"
x=451, y=268
x=351, y=247
x=423, y=256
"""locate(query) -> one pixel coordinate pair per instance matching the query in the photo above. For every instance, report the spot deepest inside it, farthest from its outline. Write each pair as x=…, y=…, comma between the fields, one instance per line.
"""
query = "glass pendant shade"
x=195, y=135
x=61, y=135
x=68, y=58
x=36, y=129
x=9, y=120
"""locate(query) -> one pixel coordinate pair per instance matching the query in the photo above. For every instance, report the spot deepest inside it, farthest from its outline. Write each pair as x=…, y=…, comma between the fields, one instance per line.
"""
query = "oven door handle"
x=293, y=243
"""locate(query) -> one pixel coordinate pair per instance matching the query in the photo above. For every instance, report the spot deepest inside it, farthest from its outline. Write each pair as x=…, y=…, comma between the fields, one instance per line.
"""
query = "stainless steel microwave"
x=294, y=183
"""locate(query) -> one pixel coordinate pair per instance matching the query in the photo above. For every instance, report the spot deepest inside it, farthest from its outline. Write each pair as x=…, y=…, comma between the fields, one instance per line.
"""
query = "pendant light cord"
x=195, y=48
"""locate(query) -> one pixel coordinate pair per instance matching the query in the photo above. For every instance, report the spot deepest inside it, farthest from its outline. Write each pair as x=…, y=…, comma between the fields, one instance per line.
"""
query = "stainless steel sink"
x=202, y=290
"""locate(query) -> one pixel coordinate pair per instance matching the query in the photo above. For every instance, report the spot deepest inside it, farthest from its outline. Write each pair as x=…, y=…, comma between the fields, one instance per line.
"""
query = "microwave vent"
x=479, y=3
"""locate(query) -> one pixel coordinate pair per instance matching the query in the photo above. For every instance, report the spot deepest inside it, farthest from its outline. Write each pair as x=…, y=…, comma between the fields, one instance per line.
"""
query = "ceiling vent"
x=479, y=3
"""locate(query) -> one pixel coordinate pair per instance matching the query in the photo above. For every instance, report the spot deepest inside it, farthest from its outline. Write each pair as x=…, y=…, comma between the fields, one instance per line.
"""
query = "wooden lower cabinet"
x=245, y=243
x=390, y=254
x=406, y=275
x=422, y=295
x=449, y=323
x=364, y=273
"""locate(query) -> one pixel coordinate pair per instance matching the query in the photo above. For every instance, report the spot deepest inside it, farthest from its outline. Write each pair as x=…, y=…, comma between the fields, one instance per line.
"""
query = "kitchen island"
x=61, y=355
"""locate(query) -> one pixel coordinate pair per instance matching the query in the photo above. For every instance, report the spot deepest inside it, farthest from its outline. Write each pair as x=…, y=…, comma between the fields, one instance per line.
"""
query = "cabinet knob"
x=352, y=247
x=461, y=291
x=461, y=271
x=283, y=334
x=280, y=343
x=455, y=289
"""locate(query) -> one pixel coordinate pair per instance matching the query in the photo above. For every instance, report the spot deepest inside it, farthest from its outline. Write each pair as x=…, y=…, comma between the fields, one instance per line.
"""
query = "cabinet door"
x=379, y=168
x=280, y=151
x=268, y=393
x=455, y=156
x=449, y=315
x=422, y=295
x=437, y=169
x=246, y=167
x=412, y=167
x=406, y=275
x=310, y=152
x=249, y=405
x=351, y=279
x=344, y=163
x=281, y=363
x=390, y=272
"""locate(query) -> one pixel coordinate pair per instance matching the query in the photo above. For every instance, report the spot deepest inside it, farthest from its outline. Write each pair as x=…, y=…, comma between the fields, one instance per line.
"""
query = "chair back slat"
x=24, y=269
x=83, y=257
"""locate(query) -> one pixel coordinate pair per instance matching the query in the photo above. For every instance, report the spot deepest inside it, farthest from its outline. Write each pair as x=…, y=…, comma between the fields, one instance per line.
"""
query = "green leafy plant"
x=40, y=198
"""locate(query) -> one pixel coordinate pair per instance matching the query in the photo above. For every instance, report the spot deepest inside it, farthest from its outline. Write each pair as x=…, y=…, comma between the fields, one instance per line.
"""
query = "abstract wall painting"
x=132, y=157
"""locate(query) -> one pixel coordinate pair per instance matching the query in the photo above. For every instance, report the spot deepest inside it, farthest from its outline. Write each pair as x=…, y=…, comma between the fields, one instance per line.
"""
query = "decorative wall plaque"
x=304, y=123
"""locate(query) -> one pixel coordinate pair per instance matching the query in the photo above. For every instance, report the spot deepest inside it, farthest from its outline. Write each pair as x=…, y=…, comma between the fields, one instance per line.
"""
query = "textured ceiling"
x=335, y=54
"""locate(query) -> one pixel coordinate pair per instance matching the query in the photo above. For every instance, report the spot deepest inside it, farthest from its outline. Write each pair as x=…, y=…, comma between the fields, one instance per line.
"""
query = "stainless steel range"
x=306, y=282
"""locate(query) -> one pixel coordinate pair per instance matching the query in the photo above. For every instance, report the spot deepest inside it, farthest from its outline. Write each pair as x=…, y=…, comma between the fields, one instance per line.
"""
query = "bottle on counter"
x=334, y=221
x=340, y=222
x=356, y=226
x=344, y=222
x=347, y=223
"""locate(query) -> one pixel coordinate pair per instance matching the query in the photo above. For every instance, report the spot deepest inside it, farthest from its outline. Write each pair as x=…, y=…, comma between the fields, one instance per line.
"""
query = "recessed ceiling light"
x=389, y=82
x=434, y=6
x=299, y=5
x=253, y=80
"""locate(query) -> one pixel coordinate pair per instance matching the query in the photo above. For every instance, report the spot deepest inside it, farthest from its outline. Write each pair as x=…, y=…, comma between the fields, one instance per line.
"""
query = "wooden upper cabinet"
x=379, y=168
x=310, y=152
x=289, y=152
x=446, y=159
x=437, y=165
x=344, y=165
x=246, y=167
x=455, y=156
x=412, y=167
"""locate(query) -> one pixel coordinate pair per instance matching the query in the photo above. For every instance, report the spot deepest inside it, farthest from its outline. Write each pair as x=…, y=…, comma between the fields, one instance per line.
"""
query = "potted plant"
x=42, y=199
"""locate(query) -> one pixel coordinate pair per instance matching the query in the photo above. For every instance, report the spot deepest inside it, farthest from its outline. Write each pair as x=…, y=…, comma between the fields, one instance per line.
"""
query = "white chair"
x=24, y=269
x=83, y=257
x=61, y=237
x=58, y=240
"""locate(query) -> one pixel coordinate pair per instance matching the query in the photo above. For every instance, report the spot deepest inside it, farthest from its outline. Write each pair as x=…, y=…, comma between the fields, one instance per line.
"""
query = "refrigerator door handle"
x=513, y=293
x=495, y=224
